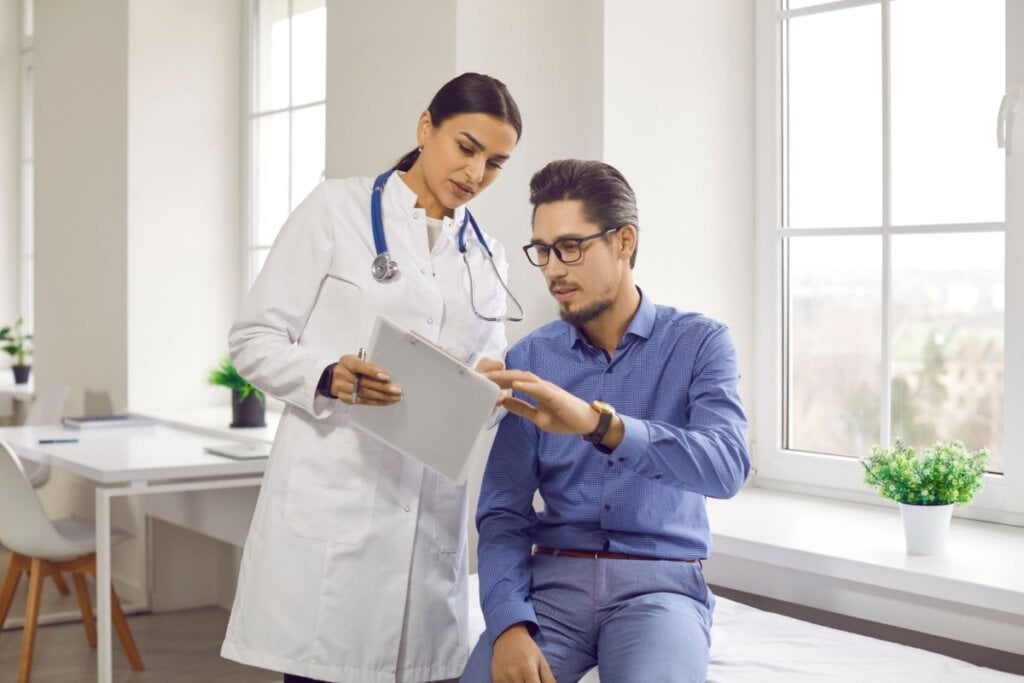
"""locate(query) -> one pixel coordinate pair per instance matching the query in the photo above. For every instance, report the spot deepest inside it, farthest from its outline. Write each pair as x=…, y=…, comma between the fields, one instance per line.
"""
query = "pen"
x=46, y=441
x=355, y=385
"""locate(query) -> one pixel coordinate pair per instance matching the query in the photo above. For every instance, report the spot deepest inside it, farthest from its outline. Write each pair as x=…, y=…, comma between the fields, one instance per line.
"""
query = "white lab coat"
x=355, y=564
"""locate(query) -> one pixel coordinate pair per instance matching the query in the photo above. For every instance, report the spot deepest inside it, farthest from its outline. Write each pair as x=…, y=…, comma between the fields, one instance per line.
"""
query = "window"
x=286, y=120
x=26, y=221
x=887, y=237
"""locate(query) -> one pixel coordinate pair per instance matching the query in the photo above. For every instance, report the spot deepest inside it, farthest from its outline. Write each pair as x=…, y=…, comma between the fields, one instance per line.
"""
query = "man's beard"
x=584, y=315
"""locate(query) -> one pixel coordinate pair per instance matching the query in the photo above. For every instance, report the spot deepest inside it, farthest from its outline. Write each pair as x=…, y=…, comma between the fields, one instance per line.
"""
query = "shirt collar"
x=642, y=324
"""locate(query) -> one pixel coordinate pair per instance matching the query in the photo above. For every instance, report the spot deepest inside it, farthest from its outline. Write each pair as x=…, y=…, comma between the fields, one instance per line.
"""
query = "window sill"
x=848, y=548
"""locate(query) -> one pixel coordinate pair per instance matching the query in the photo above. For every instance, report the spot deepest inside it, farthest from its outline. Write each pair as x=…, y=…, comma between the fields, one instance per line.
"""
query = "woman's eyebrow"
x=479, y=145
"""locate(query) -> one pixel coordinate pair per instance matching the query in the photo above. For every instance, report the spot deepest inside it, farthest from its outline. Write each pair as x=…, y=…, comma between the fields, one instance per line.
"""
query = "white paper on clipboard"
x=445, y=404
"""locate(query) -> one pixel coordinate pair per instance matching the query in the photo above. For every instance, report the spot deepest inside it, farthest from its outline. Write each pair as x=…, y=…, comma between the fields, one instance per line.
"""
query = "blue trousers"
x=636, y=620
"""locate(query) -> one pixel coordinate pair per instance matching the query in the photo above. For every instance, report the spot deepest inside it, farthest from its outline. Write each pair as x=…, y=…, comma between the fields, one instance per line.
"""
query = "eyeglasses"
x=568, y=250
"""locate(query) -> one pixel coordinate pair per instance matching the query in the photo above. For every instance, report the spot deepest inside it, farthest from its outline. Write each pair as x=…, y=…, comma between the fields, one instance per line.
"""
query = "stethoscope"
x=384, y=269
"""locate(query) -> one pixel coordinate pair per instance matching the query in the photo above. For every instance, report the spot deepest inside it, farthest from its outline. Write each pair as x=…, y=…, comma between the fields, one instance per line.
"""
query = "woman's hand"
x=358, y=381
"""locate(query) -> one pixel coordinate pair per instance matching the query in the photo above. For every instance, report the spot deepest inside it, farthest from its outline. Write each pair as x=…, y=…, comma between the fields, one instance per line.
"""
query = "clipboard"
x=445, y=403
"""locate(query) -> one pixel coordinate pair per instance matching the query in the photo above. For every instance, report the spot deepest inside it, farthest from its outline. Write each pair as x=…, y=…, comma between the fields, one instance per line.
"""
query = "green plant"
x=945, y=473
x=225, y=375
x=18, y=343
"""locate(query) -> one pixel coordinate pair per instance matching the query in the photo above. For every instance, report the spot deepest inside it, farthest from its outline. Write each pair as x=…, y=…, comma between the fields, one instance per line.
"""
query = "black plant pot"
x=21, y=373
x=247, y=413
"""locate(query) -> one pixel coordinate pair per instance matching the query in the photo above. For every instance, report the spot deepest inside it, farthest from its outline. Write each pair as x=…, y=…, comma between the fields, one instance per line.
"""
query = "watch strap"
x=603, y=423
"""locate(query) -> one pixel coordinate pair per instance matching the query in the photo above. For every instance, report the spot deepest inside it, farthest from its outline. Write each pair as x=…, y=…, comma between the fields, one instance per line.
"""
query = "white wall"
x=385, y=60
x=184, y=196
x=10, y=166
x=679, y=123
x=81, y=181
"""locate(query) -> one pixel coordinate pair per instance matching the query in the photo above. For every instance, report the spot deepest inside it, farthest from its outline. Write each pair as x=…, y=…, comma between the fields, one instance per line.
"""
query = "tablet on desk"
x=445, y=403
x=239, y=451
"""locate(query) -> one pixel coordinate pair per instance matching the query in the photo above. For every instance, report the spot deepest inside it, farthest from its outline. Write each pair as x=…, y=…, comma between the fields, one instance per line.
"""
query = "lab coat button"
x=430, y=321
x=408, y=507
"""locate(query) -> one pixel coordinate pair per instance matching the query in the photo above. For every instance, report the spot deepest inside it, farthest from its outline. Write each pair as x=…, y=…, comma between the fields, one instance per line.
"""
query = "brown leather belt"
x=601, y=555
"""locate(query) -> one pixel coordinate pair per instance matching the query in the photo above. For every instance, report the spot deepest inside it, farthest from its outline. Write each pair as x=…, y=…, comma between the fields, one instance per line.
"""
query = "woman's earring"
x=420, y=148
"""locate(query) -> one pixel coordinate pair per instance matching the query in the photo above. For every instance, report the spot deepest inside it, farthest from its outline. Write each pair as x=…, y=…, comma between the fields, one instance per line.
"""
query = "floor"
x=62, y=654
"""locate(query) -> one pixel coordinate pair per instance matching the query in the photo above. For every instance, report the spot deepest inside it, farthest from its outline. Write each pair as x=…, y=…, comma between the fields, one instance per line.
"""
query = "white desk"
x=132, y=461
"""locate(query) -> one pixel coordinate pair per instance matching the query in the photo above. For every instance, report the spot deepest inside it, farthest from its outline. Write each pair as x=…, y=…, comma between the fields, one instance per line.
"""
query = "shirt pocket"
x=332, y=486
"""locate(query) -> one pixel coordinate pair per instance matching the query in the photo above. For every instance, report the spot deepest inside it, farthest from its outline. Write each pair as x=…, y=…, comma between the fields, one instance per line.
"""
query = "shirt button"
x=423, y=271
x=610, y=463
x=607, y=508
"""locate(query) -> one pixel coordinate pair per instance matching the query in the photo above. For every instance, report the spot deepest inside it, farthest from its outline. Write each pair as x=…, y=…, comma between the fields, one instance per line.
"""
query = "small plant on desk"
x=18, y=345
x=248, y=402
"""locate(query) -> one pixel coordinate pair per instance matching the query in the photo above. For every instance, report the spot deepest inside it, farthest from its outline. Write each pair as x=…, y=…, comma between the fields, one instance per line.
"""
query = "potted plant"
x=248, y=407
x=17, y=344
x=926, y=487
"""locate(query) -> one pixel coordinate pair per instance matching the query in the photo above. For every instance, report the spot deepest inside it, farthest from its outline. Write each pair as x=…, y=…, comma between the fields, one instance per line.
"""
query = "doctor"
x=355, y=565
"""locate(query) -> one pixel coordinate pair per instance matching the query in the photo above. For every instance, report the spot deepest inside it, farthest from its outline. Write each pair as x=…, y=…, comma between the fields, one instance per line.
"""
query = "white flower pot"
x=926, y=527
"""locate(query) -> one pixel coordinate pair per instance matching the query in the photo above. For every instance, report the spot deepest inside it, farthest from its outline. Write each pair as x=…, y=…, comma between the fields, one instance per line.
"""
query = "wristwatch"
x=606, y=412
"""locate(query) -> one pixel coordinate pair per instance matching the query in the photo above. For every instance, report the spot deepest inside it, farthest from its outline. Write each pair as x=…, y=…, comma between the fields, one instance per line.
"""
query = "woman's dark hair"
x=470, y=93
x=608, y=200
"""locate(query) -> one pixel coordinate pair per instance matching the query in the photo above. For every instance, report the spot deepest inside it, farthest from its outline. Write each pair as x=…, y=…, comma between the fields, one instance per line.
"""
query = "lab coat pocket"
x=450, y=510
x=332, y=487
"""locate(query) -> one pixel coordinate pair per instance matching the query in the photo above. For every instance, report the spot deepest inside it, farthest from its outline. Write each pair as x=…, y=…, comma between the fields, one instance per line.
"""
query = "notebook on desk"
x=99, y=421
x=239, y=451
x=445, y=403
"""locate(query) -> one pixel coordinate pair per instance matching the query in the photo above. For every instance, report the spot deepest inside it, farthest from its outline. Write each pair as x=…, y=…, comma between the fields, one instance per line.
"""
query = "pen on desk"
x=46, y=441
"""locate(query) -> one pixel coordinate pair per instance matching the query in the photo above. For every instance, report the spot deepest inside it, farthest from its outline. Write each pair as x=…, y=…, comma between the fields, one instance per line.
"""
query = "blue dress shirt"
x=673, y=382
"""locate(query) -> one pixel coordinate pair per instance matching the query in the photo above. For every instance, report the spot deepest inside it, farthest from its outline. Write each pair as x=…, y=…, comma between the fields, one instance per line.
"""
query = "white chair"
x=41, y=548
x=45, y=410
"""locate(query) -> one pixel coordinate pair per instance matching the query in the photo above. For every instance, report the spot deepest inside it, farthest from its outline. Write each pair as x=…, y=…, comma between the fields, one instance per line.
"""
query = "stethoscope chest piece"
x=383, y=268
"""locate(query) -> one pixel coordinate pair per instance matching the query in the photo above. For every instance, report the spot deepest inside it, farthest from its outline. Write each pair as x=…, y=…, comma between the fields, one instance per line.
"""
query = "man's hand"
x=517, y=659
x=557, y=411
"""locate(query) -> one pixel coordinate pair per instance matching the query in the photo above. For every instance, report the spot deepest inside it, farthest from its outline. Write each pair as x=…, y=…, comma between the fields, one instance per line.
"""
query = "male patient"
x=630, y=418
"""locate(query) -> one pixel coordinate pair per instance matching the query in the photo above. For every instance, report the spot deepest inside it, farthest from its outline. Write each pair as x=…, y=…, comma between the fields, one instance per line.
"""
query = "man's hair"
x=608, y=200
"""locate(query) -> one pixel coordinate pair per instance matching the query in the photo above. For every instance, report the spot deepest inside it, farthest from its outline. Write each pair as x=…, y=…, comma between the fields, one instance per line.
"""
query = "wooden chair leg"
x=117, y=616
x=11, y=581
x=59, y=581
x=86, y=606
x=28, y=638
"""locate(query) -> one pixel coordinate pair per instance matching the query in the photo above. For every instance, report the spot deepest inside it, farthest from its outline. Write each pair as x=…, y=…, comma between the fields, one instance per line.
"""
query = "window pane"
x=948, y=75
x=948, y=305
x=834, y=344
x=797, y=4
x=309, y=56
x=834, y=138
x=271, y=176
x=272, y=55
x=307, y=151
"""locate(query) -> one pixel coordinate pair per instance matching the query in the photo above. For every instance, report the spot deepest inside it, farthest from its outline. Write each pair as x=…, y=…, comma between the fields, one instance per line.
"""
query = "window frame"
x=1002, y=498
x=251, y=247
x=26, y=169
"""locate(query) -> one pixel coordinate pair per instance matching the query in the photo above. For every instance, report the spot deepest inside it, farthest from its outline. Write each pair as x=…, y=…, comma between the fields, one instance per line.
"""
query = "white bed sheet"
x=749, y=645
